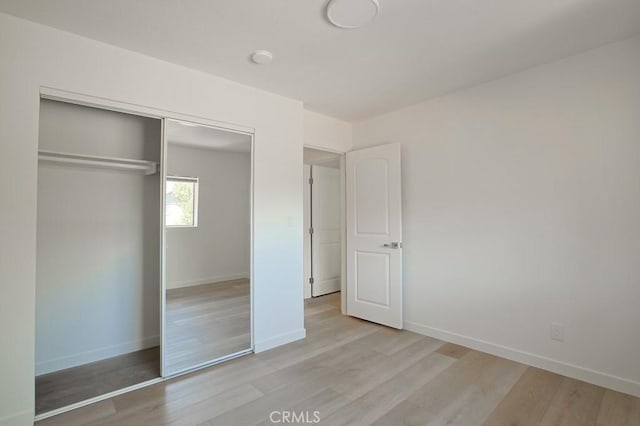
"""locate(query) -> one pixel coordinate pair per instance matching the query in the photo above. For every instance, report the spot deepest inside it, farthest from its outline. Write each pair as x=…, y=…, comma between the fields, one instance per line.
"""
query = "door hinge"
x=310, y=280
x=310, y=181
x=311, y=231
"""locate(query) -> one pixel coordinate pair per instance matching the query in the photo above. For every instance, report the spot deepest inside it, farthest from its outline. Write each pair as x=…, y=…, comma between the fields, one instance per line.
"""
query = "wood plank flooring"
x=353, y=372
x=66, y=387
x=203, y=323
x=206, y=322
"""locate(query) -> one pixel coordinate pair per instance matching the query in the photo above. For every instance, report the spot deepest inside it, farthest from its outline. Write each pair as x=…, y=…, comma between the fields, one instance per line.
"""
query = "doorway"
x=323, y=222
x=370, y=231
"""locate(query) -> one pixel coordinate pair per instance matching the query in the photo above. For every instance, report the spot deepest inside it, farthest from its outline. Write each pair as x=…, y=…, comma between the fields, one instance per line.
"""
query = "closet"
x=107, y=318
x=98, y=253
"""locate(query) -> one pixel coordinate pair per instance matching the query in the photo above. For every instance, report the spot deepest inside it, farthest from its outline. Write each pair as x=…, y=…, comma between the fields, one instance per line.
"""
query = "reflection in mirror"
x=208, y=222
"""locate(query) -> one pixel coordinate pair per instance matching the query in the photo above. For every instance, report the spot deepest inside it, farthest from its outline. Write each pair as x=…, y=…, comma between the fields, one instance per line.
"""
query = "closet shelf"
x=121, y=164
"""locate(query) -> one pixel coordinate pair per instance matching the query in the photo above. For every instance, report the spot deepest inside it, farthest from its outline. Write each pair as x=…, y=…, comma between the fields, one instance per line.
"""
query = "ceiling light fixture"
x=262, y=57
x=351, y=14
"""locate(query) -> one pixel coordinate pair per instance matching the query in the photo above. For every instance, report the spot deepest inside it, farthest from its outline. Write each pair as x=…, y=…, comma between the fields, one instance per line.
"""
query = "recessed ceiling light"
x=350, y=14
x=262, y=57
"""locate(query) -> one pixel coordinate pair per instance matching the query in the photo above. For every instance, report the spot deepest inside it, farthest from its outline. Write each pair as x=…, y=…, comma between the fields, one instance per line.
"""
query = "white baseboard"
x=210, y=280
x=559, y=367
x=23, y=418
x=74, y=360
x=280, y=340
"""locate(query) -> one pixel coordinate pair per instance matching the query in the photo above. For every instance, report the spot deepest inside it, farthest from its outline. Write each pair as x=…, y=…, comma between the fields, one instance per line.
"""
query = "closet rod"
x=121, y=164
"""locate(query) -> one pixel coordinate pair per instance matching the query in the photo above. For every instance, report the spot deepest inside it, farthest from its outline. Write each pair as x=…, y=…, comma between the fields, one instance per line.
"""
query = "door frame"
x=343, y=224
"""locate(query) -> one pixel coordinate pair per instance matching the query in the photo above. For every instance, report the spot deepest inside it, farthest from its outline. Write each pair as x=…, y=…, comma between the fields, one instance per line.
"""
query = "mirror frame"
x=163, y=239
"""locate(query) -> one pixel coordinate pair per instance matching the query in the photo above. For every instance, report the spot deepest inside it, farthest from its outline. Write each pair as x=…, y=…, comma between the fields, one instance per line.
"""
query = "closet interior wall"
x=98, y=239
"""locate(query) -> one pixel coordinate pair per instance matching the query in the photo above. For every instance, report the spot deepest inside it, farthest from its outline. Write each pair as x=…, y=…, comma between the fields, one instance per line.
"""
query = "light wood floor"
x=206, y=322
x=203, y=323
x=355, y=372
x=66, y=387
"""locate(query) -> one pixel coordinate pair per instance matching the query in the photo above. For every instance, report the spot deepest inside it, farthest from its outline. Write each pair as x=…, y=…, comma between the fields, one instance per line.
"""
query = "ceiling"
x=204, y=137
x=414, y=50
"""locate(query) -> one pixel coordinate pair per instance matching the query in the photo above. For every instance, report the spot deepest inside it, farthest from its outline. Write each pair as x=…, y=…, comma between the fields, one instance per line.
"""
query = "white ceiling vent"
x=350, y=14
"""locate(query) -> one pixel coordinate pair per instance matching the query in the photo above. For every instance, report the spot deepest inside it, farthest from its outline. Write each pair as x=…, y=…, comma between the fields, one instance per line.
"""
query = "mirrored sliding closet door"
x=207, y=245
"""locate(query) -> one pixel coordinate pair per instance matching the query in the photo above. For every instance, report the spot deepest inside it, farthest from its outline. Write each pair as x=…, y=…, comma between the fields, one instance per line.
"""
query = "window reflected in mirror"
x=181, y=200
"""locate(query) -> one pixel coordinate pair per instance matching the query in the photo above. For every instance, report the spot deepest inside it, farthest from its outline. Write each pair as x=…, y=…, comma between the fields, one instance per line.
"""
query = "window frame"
x=196, y=196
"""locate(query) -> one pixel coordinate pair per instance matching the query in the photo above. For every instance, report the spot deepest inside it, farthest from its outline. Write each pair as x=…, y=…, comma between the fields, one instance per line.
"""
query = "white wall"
x=522, y=207
x=34, y=55
x=97, y=291
x=218, y=248
x=321, y=131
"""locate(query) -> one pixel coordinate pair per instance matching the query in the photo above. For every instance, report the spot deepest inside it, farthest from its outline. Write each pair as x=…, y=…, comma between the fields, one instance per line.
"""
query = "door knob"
x=393, y=245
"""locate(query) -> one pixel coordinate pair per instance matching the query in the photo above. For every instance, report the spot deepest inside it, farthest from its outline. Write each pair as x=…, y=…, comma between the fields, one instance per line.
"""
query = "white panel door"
x=325, y=221
x=306, y=278
x=374, y=235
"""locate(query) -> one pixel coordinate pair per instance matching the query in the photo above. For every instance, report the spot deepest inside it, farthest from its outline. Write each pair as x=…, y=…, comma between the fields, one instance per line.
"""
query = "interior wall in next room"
x=97, y=291
x=218, y=248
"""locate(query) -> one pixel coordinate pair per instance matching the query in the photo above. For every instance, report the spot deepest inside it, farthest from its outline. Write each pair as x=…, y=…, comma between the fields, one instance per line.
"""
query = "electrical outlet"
x=557, y=332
